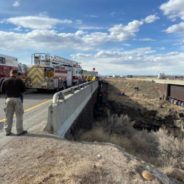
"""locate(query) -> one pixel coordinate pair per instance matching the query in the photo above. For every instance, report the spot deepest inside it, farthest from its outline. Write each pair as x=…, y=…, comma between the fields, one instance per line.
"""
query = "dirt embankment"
x=142, y=101
x=135, y=118
x=39, y=160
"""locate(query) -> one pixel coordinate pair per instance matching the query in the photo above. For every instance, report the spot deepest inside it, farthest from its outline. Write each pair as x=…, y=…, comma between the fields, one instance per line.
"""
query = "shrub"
x=158, y=148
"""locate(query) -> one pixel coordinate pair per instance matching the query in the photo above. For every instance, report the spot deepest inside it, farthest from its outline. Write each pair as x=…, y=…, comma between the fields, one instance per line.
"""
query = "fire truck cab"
x=8, y=63
x=50, y=72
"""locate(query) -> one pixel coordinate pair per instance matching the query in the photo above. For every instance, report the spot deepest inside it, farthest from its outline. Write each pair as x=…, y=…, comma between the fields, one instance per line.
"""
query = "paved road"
x=35, y=116
x=31, y=99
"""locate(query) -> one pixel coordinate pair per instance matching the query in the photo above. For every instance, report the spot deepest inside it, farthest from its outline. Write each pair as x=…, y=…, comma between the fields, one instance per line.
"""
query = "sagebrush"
x=158, y=148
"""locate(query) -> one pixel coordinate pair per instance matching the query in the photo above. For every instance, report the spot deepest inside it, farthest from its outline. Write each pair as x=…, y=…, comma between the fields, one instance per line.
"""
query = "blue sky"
x=116, y=36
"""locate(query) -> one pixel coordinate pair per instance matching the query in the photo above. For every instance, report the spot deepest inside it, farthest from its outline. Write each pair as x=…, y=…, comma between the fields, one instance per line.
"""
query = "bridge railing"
x=61, y=94
x=67, y=106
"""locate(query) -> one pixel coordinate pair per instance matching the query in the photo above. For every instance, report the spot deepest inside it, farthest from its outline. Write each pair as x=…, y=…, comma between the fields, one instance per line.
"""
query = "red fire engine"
x=8, y=63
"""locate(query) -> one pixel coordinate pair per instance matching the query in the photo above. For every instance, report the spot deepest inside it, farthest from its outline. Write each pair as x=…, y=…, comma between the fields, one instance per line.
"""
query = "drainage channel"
x=100, y=109
x=140, y=132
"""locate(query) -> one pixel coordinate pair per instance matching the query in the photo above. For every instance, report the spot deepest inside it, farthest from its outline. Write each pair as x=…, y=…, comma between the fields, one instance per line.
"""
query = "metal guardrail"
x=61, y=94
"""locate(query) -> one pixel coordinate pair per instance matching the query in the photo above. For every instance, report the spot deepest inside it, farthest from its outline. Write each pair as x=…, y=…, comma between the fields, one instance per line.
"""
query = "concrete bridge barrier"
x=67, y=105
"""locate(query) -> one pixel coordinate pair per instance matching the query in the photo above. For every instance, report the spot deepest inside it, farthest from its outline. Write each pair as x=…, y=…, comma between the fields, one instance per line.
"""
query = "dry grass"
x=158, y=148
x=174, y=173
x=171, y=150
x=146, y=89
x=146, y=97
x=53, y=161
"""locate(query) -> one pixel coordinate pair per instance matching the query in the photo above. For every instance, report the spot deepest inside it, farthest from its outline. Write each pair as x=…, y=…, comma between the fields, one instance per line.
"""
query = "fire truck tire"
x=39, y=90
x=57, y=89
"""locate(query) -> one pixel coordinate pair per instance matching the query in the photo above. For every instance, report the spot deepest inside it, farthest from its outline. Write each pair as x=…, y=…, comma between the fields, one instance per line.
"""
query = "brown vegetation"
x=160, y=148
x=41, y=160
x=147, y=96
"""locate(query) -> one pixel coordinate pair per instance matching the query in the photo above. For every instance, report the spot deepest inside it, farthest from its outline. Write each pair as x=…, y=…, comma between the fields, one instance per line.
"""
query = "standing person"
x=13, y=89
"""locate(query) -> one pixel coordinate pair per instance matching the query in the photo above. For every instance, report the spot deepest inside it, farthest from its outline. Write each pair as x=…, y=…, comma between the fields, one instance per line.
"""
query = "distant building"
x=161, y=76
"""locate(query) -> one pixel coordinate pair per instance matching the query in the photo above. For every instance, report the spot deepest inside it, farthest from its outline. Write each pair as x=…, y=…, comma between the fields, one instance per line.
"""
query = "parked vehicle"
x=8, y=63
x=46, y=72
x=89, y=75
x=53, y=72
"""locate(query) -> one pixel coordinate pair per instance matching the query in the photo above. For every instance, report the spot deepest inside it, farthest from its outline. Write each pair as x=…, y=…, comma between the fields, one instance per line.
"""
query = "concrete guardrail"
x=67, y=105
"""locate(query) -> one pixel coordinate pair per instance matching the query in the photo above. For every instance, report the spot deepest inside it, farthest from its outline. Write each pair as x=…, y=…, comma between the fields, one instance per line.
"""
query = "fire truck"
x=89, y=75
x=52, y=72
x=8, y=63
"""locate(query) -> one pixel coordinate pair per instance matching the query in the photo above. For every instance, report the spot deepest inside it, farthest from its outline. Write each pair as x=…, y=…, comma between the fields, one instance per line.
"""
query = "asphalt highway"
x=35, y=113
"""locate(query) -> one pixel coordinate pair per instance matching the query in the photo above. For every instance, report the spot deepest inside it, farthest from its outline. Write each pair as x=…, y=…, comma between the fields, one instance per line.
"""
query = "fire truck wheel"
x=41, y=90
x=57, y=90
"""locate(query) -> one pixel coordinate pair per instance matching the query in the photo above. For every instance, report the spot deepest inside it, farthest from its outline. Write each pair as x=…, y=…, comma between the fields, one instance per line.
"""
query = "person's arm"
x=23, y=87
x=2, y=87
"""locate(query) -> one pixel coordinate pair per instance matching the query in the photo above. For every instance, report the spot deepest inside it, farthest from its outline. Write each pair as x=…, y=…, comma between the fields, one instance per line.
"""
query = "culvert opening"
x=140, y=132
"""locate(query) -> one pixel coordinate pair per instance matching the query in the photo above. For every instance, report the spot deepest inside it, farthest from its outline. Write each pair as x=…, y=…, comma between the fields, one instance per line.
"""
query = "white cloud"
x=36, y=22
x=42, y=39
x=87, y=27
x=136, y=61
x=12, y=41
x=135, y=53
x=16, y=3
x=145, y=39
x=118, y=32
x=151, y=18
x=43, y=35
x=115, y=33
x=176, y=28
x=96, y=38
x=173, y=9
x=124, y=32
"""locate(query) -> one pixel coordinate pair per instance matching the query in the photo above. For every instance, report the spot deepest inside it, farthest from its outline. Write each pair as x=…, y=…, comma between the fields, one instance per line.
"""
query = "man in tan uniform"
x=13, y=88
